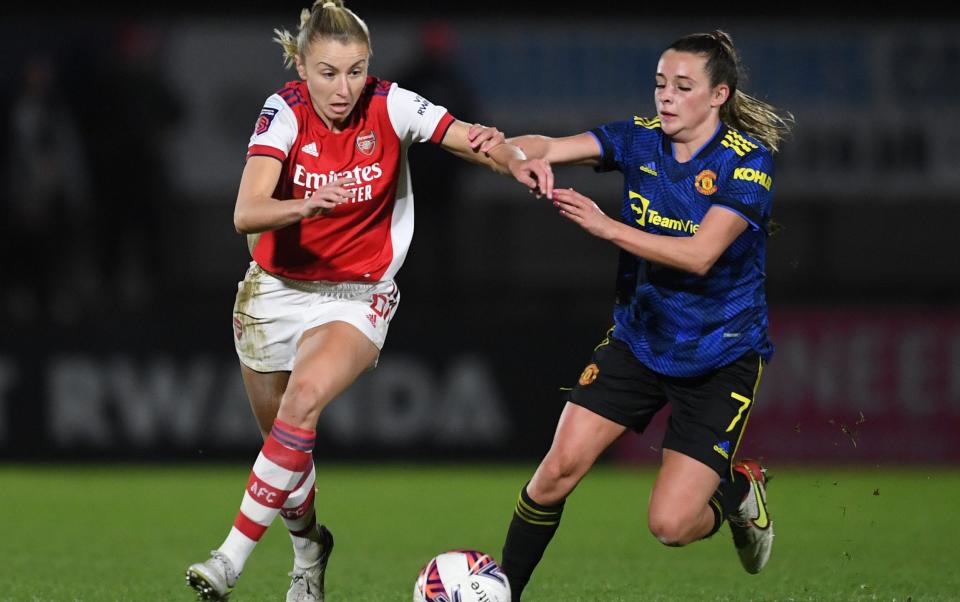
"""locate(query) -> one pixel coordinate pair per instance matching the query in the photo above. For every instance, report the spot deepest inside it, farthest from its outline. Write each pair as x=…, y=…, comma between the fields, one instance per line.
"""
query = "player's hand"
x=324, y=199
x=535, y=174
x=483, y=138
x=583, y=212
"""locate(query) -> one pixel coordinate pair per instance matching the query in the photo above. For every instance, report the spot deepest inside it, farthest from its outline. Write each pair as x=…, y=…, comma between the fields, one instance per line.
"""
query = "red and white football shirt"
x=367, y=237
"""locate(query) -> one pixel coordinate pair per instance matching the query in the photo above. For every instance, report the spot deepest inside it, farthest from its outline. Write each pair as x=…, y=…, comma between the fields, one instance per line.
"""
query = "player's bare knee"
x=669, y=530
x=550, y=484
x=561, y=471
x=302, y=402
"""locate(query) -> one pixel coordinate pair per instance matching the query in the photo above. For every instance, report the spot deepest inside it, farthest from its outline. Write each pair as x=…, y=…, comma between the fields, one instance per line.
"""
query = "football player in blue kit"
x=690, y=319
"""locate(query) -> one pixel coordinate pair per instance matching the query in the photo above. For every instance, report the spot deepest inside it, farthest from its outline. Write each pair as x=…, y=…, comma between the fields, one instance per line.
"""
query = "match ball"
x=461, y=576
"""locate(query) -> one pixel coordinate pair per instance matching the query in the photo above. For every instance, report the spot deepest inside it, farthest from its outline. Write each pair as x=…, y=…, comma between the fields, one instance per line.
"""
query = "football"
x=461, y=576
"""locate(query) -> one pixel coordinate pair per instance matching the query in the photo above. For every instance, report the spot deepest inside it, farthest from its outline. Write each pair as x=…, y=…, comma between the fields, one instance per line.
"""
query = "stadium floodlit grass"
x=107, y=533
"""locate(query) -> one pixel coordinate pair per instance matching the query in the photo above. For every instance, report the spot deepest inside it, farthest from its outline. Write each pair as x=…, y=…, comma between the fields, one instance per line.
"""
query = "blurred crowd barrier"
x=845, y=386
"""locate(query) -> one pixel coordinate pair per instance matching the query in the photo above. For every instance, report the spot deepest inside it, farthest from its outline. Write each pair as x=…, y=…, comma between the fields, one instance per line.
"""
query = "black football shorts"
x=708, y=412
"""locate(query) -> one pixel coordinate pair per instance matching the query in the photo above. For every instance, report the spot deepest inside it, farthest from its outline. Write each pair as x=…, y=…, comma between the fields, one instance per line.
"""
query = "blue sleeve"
x=748, y=189
x=614, y=139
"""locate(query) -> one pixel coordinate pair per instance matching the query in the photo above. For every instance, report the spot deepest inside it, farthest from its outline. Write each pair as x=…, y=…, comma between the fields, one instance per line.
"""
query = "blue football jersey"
x=678, y=323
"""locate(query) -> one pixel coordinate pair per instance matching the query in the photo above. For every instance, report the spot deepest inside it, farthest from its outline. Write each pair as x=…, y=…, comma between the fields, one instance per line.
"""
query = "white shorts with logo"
x=271, y=313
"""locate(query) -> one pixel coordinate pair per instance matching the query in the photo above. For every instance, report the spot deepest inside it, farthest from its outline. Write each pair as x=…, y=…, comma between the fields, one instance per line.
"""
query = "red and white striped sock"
x=282, y=464
x=301, y=520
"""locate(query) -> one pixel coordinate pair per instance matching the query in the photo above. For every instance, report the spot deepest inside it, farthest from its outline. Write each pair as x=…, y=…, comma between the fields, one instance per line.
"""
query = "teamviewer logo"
x=639, y=205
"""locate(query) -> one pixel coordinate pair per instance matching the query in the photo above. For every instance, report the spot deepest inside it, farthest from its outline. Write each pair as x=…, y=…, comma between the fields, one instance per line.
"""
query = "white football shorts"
x=271, y=313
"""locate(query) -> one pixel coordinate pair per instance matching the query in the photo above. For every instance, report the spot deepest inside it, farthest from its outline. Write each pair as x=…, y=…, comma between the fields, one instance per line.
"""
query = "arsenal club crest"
x=366, y=142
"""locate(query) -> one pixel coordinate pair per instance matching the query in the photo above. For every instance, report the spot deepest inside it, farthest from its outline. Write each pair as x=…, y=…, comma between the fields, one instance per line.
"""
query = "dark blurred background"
x=125, y=134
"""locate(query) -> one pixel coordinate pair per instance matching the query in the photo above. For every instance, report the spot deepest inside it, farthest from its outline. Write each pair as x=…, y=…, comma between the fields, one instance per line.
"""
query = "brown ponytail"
x=741, y=111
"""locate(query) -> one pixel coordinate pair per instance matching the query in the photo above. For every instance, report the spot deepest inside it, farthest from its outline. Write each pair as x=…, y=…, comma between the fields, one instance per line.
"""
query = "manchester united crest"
x=706, y=182
x=589, y=375
x=366, y=142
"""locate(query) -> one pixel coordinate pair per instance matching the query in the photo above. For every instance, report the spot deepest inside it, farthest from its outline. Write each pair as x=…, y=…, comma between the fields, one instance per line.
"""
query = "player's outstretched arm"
x=543, y=151
x=486, y=146
x=475, y=142
x=581, y=149
x=257, y=211
x=695, y=254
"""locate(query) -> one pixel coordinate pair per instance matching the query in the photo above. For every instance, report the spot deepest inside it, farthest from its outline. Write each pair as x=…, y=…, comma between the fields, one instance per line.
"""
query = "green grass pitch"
x=107, y=533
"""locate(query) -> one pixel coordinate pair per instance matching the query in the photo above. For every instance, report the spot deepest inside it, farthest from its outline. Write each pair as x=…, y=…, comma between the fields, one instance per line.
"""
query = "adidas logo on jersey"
x=311, y=149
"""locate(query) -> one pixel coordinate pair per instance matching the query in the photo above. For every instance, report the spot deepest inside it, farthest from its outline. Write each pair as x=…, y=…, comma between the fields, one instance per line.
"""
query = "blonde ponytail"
x=326, y=19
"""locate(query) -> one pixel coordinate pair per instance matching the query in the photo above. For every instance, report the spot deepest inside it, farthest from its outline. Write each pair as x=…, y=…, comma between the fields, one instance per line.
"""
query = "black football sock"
x=731, y=492
x=726, y=499
x=530, y=531
x=717, y=515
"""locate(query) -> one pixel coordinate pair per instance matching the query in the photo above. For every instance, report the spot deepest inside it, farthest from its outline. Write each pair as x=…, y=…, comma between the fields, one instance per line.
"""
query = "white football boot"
x=214, y=578
x=306, y=585
x=751, y=525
